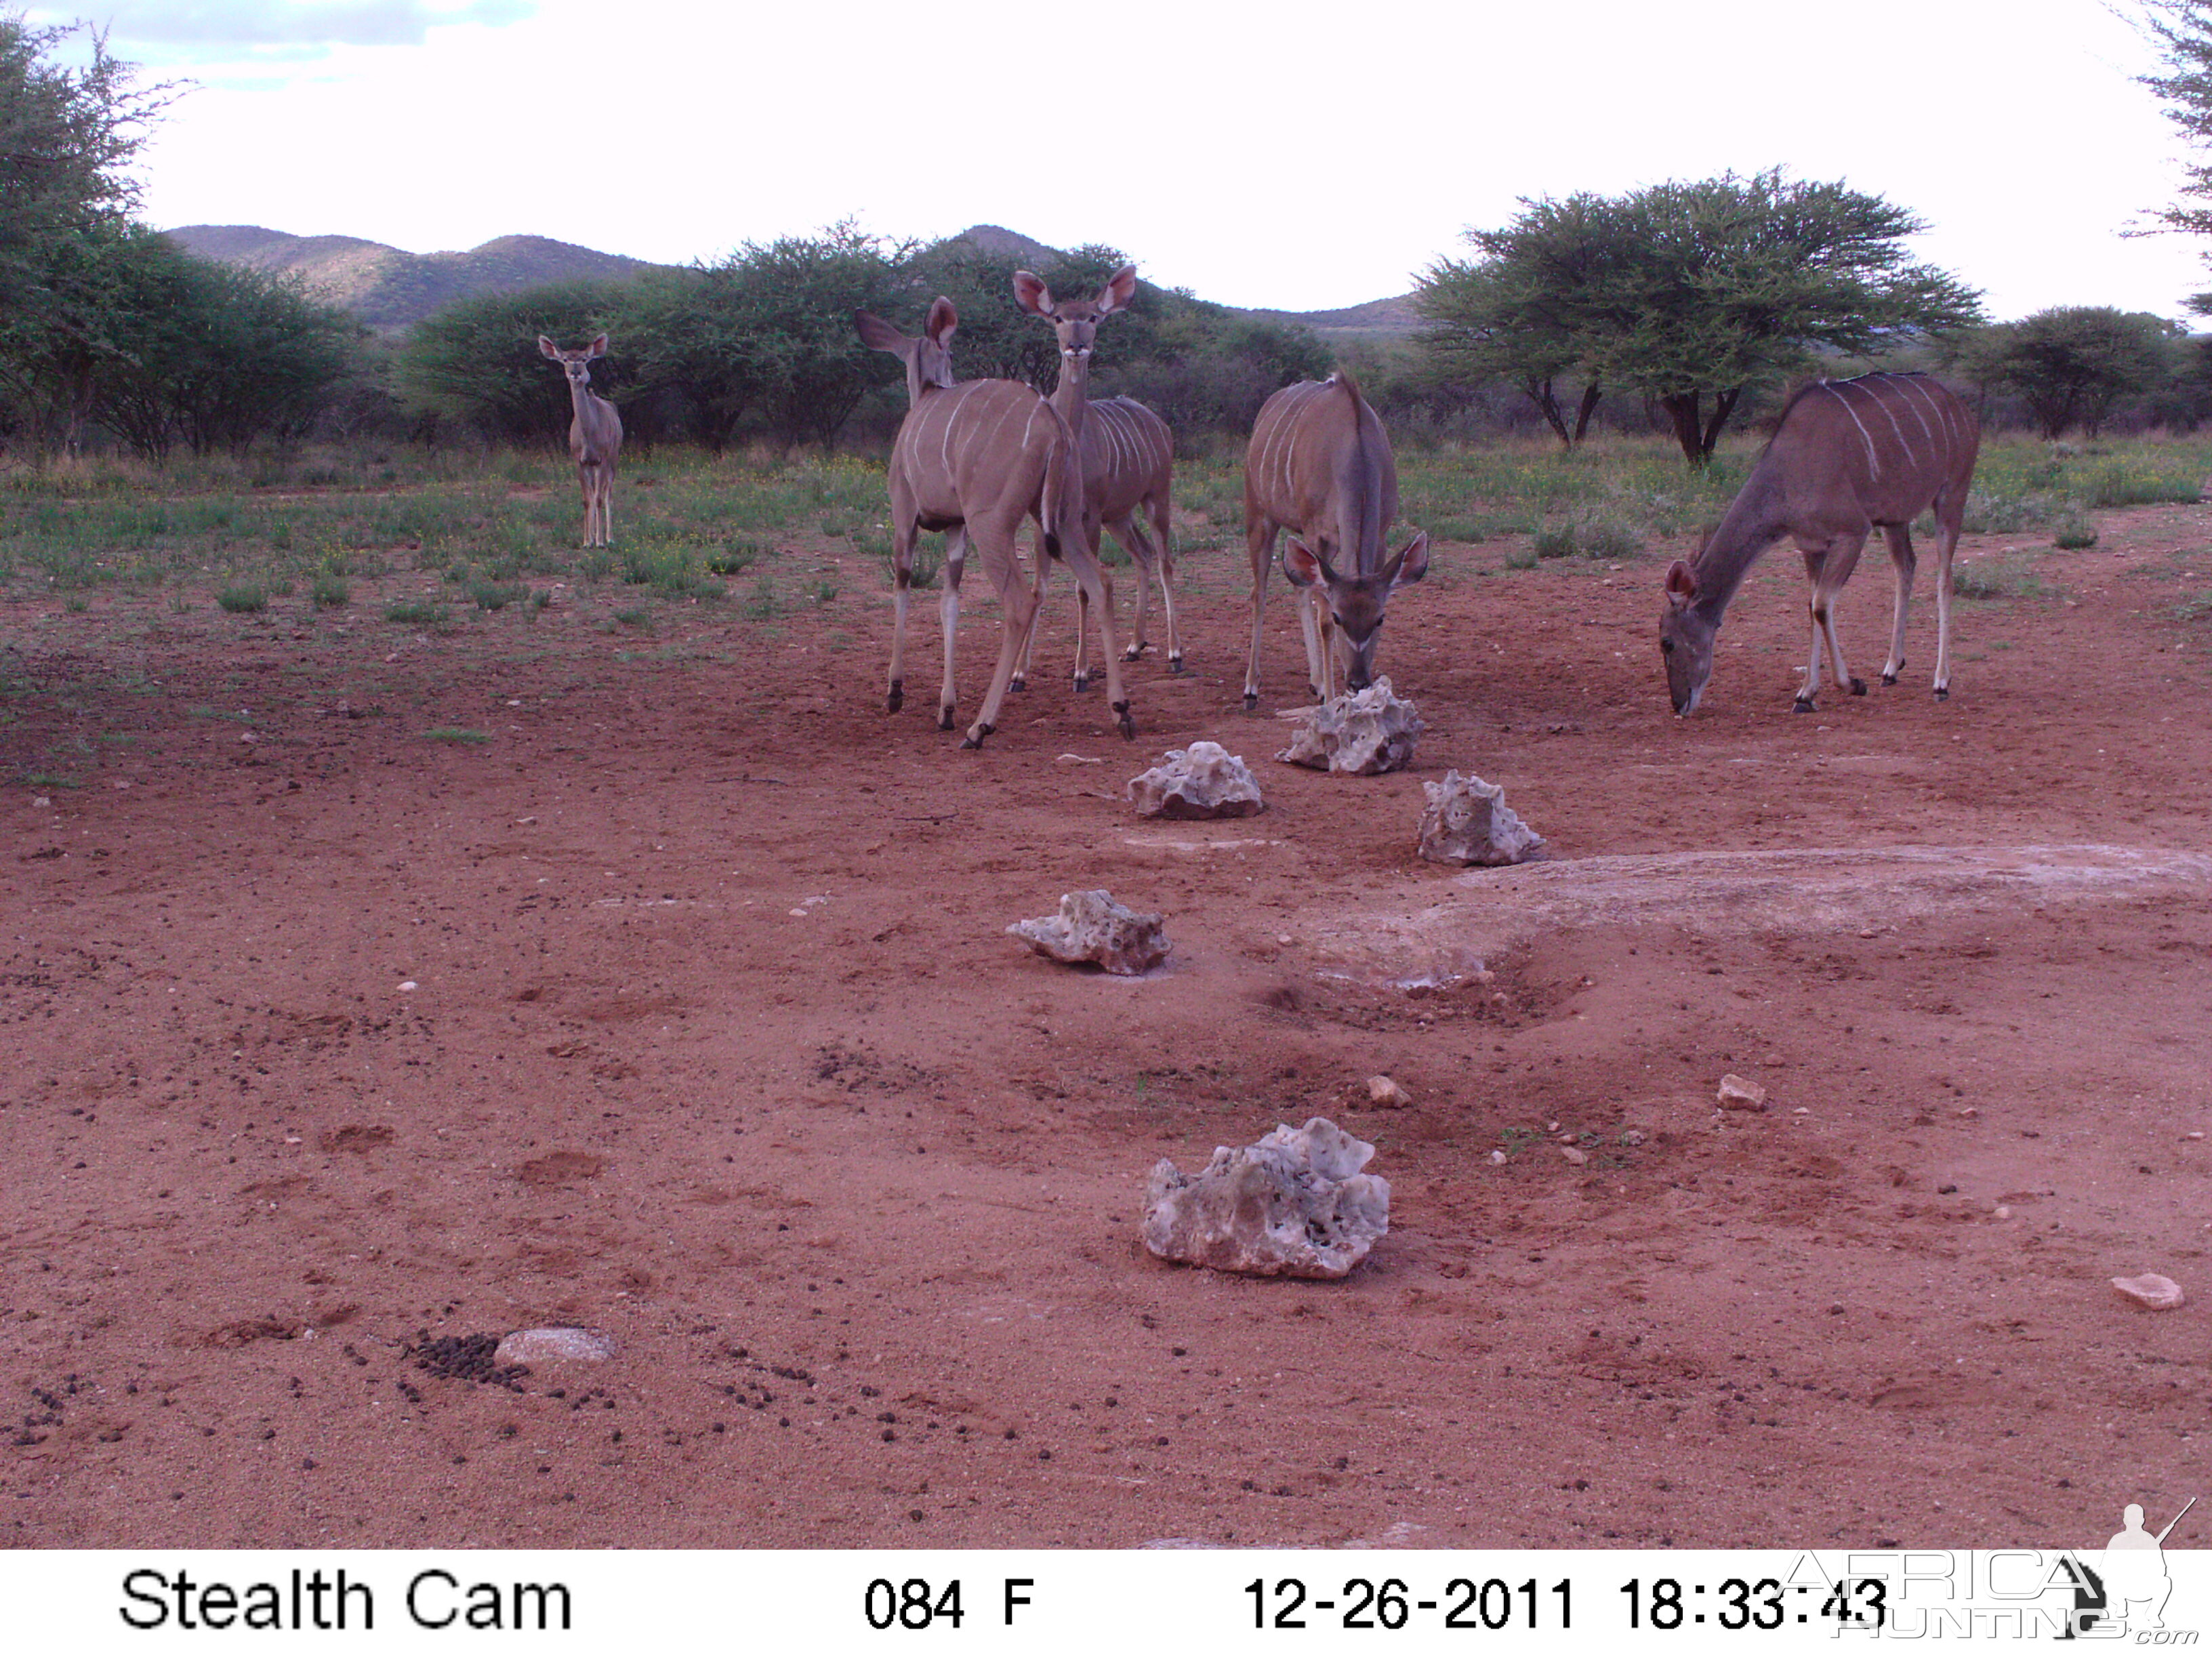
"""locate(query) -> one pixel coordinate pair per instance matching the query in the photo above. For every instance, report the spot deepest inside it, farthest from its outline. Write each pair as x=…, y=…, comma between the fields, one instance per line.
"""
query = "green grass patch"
x=246, y=598
x=456, y=734
x=415, y=613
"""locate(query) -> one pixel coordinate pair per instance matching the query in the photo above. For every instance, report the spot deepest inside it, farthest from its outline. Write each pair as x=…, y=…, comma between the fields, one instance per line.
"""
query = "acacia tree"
x=2181, y=30
x=2072, y=363
x=1516, y=313
x=1692, y=294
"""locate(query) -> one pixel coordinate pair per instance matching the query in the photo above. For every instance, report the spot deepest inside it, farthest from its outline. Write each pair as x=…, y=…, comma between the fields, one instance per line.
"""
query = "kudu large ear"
x=597, y=349
x=1412, y=560
x=547, y=349
x=878, y=334
x=1302, y=564
x=1682, y=583
x=1031, y=294
x=1120, y=289
x=943, y=320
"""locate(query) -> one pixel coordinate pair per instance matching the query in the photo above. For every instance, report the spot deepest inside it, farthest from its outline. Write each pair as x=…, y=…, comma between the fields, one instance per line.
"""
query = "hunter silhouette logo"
x=2135, y=1582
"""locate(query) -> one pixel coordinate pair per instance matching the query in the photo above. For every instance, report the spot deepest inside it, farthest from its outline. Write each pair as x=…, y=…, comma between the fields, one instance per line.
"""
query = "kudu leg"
x=1825, y=572
x=1314, y=616
x=1259, y=543
x=1081, y=678
x=1901, y=564
x=948, y=612
x=903, y=533
x=1021, y=680
x=1163, y=567
x=1019, y=605
x=1083, y=561
x=1947, y=546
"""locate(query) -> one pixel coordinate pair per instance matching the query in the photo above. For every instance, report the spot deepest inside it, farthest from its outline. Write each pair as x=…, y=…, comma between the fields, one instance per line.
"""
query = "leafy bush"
x=247, y=596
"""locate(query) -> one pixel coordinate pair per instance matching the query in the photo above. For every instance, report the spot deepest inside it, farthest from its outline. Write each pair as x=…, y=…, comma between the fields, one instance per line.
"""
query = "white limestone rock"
x=2153, y=1291
x=552, y=1344
x=1293, y=1203
x=1466, y=820
x=1361, y=732
x=1202, y=782
x=1091, y=926
x=1740, y=1094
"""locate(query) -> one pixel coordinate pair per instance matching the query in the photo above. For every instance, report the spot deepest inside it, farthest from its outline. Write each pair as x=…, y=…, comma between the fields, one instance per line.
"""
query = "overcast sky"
x=1286, y=153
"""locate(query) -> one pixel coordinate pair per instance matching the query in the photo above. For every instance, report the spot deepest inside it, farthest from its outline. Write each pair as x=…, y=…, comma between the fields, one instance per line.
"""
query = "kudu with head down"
x=973, y=458
x=1846, y=456
x=1319, y=466
x=1128, y=455
x=595, y=437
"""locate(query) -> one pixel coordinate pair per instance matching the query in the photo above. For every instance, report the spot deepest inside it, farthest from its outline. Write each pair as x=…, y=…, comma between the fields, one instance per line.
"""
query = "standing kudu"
x=1320, y=467
x=1128, y=462
x=1846, y=456
x=595, y=437
x=973, y=459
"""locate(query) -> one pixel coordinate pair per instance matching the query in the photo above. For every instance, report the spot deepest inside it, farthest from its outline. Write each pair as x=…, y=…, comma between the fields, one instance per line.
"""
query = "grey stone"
x=1466, y=820
x=1740, y=1094
x=1091, y=926
x=1293, y=1203
x=1361, y=732
x=550, y=1344
x=2153, y=1291
x=1202, y=782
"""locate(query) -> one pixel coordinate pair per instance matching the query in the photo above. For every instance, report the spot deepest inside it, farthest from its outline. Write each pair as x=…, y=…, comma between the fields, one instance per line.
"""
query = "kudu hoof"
x=1803, y=706
x=1083, y=682
x=1942, y=694
x=1017, y=683
x=896, y=701
x=1858, y=686
x=1134, y=653
x=944, y=718
x=1251, y=701
x=1889, y=680
x=1175, y=663
x=1126, y=724
x=975, y=738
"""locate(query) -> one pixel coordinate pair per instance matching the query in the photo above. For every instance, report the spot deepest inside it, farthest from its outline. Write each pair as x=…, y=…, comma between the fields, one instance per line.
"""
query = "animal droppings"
x=1091, y=926
x=1387, y=1092
x=1293, y=1203
x=1202, y=782
x=550, y=1343
x=1361, y=732
x=2152, y=1291
x=1740, y=1094
x=1466, y=820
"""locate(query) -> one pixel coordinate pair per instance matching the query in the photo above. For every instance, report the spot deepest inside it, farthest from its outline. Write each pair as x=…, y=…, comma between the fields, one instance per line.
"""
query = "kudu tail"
x=1063, y=491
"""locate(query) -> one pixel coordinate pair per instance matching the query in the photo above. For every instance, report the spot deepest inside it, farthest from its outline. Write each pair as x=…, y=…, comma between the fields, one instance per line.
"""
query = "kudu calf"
x=973, y=458
x=595, y=436
x=1846, y=456
x=1128, y=462
x=1319, y=465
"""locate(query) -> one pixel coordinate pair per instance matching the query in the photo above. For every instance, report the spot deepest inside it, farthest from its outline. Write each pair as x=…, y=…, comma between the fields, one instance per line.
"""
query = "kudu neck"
x=1072, y=396
x=1755, y=521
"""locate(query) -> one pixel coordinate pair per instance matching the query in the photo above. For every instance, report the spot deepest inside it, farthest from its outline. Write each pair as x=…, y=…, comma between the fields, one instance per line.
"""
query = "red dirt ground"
x=717, y=1044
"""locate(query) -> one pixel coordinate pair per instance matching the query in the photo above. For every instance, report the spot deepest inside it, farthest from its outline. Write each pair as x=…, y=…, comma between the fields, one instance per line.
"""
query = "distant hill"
x=388, y=287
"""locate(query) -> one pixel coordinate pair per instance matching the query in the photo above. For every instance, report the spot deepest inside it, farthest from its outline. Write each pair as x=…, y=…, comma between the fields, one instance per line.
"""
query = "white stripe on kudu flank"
x=1915, y=395
x=1874, y=466
x=1890, y=414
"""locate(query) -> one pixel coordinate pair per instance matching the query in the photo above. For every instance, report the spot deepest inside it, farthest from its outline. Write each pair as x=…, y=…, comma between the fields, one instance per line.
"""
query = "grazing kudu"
x=973, y=459
x=594, y=438
x=1846, y=456
x=1320, y=467
x=1128, y=462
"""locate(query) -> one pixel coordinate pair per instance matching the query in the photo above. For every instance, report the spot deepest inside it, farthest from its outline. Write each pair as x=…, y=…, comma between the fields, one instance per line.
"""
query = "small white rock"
x=2004, y=1212
x=1574, y=1154
x=1387, y=1092
x=550, y=1343
x=42, y=800
x=1497, y=1156
x=1202, y=782
x=2152, y=1291
x=406, y=985
x=1740, y=1094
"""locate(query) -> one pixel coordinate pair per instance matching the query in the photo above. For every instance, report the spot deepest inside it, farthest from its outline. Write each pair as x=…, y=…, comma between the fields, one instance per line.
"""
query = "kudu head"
x=1355, y=603
x=1075, y=321
x=1685, y=639
x=577, y=365
x=928, y=356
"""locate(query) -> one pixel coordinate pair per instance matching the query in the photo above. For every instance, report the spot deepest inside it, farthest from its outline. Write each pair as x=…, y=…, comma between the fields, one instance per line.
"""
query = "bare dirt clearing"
x=716, y=1044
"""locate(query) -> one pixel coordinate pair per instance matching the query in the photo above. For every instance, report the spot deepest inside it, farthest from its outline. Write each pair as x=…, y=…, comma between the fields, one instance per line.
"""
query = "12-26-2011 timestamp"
x=1466, y=1603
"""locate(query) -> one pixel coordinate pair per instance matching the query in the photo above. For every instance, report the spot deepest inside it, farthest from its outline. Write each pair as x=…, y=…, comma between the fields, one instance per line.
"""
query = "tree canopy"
x=2071, y=364
x=2181, y=30
x=1687, y=294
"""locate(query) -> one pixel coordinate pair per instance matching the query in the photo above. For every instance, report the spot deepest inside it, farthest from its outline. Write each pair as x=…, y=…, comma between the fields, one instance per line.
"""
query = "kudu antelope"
x=1320, y=467
x=595, y=437
x=1128, y=462
x=1846, y=456
x=973, y=458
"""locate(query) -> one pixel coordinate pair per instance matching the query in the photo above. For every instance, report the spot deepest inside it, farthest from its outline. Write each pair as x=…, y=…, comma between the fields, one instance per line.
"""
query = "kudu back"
x=1847, y=457
x=1319, y=466
x=973, y=458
